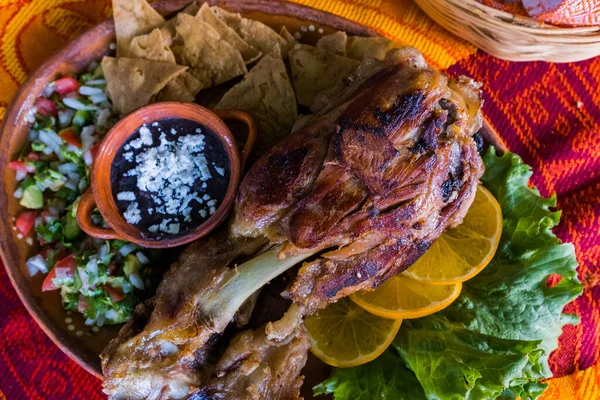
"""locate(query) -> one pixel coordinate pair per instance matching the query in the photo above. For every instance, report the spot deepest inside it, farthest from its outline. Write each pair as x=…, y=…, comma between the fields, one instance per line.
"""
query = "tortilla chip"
x=249, y=53
x=289, y=39
x=360, y=47
x=315, y=70
x=192, y=9
x=151, y=47
x=168, y=31
x=132, y=83
x=133, y=18
x=255, y=33
x=266, y=93
x=334, y=43
x=211, y=59
x=183, y=89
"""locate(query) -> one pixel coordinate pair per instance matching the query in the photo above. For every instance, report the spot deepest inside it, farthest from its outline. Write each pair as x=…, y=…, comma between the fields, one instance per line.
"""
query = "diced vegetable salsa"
x=100, y=279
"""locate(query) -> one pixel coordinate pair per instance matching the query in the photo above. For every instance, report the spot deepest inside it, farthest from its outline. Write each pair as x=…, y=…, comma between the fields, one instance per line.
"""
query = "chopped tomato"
x=66, y=85
x=25, y=222
x=81, y=304
x=115, y=295
x=64, y=268
x=70, y=136
x=21, y=166
x=46, y=107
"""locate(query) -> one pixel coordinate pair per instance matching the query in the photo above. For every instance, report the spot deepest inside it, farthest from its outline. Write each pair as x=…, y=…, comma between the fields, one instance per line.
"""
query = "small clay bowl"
x=100, y=193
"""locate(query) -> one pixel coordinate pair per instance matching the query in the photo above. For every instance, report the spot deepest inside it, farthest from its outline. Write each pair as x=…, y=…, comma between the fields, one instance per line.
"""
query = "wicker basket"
x=513, y=37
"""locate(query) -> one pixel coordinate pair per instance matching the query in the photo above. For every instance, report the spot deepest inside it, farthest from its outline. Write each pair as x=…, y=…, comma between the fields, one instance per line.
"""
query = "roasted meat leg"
x=379, y=176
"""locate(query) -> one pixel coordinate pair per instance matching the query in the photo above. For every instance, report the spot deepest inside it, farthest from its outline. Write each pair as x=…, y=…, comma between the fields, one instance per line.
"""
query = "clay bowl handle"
x=84, y=218
x=252, y=131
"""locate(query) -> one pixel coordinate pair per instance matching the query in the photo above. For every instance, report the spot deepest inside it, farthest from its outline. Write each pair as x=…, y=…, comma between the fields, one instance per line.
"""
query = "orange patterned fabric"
x=549, y=114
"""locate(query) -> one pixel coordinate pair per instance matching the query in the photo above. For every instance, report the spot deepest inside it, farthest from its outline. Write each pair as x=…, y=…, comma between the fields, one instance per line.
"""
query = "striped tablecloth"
x=547, y=113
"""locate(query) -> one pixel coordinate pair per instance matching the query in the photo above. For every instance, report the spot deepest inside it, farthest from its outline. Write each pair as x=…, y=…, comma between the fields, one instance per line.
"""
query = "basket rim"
x=521, y=22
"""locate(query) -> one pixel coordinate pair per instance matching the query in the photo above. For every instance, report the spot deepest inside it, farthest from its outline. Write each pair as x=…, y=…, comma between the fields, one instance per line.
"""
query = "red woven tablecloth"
x=547, y=113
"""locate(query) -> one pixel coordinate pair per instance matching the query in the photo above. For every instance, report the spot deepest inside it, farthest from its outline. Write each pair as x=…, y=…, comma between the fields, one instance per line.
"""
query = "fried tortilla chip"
x=360, y=47
x=133, y=18
x=266, y=93
x=249, y=53
x=183, y=89
x=334, y=43
x=315, y=70
x=255, y=33
x=211, y=59
x=132, y=83
x=151, y=47
x=289, y=39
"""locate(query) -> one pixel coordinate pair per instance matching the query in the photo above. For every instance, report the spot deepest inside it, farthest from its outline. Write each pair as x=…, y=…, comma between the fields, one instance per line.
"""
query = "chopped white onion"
x=74, y=176
x=92, y=267
x=52, y=140
x=18, y=193
x=76, y=104
x=103, y=251
x=71, y=184
x=67, y=168
x=128, y=248
x=100, y=321
x=85, y=279
x=87, y=136
x=142, y=257
x=90, y=322
x=98, y=98
x=103, y=116
x=36, y=264
x=48, y=90
x=136, y=281
x=90, y=91
x=111, y=315
x=65, y=117
x=20, y=175
x=87, y=158
x=33, y=135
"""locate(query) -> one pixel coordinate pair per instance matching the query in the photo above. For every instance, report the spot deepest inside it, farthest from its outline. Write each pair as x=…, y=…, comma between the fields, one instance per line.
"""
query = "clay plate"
x=92, y=45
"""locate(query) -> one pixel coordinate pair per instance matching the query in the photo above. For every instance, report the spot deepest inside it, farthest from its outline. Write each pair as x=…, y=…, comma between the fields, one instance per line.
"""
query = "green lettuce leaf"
x=384, y=378
x=495, y=339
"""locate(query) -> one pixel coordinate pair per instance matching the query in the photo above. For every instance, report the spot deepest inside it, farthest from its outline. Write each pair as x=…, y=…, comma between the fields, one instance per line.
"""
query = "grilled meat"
x=162, y=351
x=263, y=364
x=380, y=175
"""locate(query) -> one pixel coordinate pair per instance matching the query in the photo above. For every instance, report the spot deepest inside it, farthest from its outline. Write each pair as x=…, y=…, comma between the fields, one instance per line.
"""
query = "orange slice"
x=345, y=335
x=402, y=298
x=462, y=252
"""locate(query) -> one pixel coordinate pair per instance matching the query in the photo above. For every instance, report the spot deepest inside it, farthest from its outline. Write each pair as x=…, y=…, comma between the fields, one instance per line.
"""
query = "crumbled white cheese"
x=220, y=171
x=126, y=196
x=169, y=172
x=132, y=214
x=146, y=136
x=173, y=229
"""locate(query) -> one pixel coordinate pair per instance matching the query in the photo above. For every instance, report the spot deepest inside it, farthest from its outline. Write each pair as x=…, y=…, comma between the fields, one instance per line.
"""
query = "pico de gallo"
x=100, y=279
